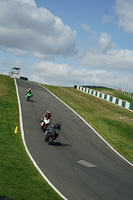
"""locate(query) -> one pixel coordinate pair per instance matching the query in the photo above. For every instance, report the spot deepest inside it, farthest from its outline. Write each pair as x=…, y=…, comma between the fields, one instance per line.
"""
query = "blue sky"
x=68, y=42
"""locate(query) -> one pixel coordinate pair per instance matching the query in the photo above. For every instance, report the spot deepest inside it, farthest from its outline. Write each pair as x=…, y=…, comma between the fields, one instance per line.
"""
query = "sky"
x=68, y=42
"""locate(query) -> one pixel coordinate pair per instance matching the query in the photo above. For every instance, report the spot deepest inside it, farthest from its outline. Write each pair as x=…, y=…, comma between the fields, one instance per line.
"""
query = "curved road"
x=79, y=164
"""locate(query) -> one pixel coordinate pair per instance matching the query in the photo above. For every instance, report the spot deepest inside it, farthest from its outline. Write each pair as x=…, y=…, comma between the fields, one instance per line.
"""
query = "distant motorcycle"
x=44, y=123
x=28, y=96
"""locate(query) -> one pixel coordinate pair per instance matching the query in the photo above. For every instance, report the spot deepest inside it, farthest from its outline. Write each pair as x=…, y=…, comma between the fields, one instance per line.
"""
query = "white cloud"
x=26, y=27
x=107, y=19
x=29, y=2
x=104, y=42
x=124, y=10
x=44, y=56
x=63, y=75
x=107, y=56
x=16, y=52
x=52, y=73
x=114, y=59
x=86, y=27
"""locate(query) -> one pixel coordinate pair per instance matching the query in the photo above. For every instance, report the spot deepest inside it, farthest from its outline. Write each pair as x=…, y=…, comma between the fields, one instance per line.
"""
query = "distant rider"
x=29, y=91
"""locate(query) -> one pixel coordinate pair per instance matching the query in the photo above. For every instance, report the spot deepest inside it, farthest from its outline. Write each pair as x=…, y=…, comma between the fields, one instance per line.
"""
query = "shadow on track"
x=31, y=100
x=59, y=144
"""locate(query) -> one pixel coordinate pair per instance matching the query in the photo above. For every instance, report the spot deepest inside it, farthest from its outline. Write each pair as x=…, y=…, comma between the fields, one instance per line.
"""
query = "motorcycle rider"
x=29, y=91
x=56, y=129
x=47, y=116
x=29, y=94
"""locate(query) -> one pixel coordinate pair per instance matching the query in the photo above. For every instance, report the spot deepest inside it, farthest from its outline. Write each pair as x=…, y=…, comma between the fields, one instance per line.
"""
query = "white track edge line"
x=90, y=127
x=23, y=138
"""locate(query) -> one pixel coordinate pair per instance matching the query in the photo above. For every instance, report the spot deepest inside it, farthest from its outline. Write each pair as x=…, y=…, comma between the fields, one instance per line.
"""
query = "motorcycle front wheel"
x=51, y=138
x=44, y=127
x=46, y=137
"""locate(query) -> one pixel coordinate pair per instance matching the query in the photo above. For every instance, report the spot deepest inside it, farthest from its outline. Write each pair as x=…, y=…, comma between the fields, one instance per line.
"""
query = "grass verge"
x=19, y=179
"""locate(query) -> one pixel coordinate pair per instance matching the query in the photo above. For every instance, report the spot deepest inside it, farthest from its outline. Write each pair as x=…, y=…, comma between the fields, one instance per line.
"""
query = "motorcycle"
x=51, y=135
x=44, y=123
x=28, y=96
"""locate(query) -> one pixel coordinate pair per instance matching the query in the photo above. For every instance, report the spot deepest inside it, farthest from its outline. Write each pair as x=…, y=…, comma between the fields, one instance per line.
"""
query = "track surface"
x=79, y=164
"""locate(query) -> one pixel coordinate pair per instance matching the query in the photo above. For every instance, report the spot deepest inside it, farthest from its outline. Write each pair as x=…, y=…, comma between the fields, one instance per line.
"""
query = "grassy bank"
x=19, y=179
x=112, y=122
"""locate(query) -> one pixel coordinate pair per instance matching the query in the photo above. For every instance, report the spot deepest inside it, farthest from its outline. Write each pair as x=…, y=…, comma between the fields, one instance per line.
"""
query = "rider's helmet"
x=59, y=124
x=48, y=115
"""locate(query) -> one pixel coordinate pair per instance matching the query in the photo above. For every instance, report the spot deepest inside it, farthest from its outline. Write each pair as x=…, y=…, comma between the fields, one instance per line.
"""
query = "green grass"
x=112, y=122
x=19, y=179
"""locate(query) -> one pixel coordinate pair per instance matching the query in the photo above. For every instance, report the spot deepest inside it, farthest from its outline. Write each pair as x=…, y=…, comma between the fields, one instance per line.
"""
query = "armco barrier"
x=115, y=100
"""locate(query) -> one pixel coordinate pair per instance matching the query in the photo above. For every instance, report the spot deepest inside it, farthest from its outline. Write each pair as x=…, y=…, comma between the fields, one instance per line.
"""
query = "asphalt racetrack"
x=79, y=163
